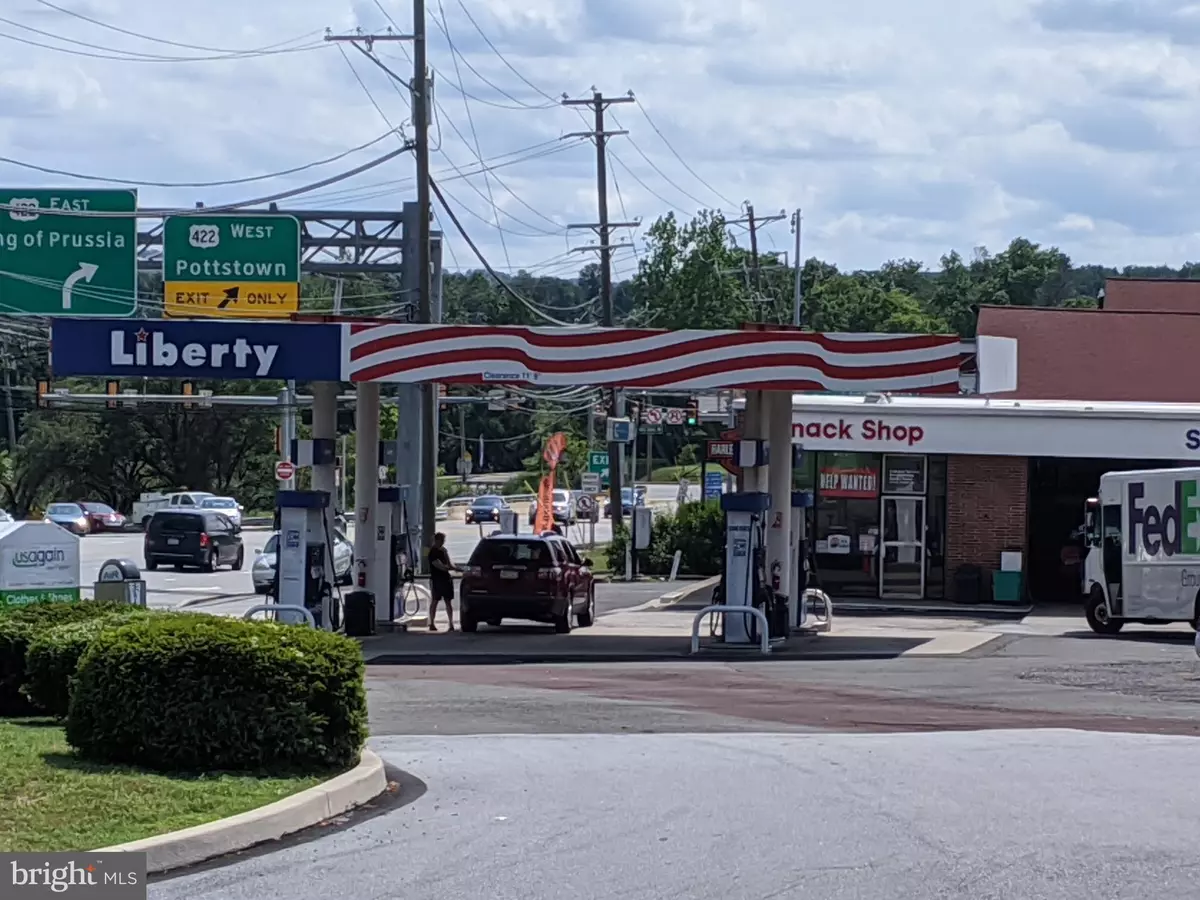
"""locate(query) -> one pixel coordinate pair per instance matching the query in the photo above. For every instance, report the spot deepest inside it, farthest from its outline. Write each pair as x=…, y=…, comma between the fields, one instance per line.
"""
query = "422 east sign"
x=236, y=265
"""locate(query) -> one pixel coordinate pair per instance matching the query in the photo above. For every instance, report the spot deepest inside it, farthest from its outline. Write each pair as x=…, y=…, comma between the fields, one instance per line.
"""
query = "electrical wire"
x=197, y=184
x=209, y=210
x=621, y=201
x=157, y=40
x=129, y=56
x=501, y=56
x=683, y=162
x=665, y=177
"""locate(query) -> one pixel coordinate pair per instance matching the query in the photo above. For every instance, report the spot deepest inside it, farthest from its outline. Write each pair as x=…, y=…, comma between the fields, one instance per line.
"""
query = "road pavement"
x=1010, y=814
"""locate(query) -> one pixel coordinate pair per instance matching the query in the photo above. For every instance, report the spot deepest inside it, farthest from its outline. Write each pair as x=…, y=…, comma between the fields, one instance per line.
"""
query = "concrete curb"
x=672, y=597
x=165, y=852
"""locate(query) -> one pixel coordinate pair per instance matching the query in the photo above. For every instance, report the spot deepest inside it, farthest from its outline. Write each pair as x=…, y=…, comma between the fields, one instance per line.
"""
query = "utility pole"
x=9, y=417
x=753, y=272
x=462, y=441
x=603, y=228
x=798, y=291
x=419, y=88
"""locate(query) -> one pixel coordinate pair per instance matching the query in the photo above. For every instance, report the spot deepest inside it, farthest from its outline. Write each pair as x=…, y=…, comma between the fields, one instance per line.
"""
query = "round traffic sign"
x=585, y=504
x=284, y=470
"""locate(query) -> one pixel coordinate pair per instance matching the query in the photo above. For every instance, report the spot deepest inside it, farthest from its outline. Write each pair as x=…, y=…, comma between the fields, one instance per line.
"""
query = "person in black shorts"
x=441, y=582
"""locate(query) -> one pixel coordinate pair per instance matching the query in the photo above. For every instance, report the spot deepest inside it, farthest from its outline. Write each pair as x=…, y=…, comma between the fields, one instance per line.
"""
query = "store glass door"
x=902, y=550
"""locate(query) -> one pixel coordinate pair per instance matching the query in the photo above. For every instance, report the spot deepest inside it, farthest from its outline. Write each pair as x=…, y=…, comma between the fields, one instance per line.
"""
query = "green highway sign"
x=598, y=461
x=240, y=265
x=77, y=264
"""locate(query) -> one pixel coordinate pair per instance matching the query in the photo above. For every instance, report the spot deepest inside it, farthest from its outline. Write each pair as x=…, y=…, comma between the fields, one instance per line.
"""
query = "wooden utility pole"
x=603, y=228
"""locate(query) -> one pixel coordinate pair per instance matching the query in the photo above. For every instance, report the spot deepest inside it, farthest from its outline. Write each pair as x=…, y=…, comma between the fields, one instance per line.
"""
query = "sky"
x=901, y=130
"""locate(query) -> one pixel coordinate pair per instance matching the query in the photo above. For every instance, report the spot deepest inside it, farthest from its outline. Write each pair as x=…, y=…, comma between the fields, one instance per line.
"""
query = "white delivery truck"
x=1143, y=549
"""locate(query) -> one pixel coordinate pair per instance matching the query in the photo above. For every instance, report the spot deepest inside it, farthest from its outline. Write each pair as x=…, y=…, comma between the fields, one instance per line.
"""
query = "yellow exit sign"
x=230, y=300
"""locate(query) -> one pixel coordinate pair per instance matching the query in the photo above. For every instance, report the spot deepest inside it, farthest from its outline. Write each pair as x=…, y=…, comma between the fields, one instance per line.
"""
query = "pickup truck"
x=150, y=503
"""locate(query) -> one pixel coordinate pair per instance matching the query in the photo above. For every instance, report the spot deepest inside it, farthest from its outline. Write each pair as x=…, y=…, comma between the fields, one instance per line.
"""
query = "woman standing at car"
x=441, y=582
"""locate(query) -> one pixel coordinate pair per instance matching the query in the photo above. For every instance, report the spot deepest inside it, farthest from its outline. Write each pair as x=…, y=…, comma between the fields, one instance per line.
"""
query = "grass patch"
x=672, y=474
x=54, y=801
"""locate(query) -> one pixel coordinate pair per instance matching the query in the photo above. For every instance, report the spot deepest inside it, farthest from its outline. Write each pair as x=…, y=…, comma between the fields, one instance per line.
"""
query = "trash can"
x=359, y=614
x=120, y=581
x=1006, y=587
x=968, y=584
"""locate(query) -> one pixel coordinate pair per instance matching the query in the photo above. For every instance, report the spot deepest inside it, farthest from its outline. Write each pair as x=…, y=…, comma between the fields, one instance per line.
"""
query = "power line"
x=682, y=161
x=157, y=40
x=665, y=177
x=197, y=184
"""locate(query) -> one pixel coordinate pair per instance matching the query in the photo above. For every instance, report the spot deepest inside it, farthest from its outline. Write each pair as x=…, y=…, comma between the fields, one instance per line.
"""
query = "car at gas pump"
x=262, y=573
x=541, y=578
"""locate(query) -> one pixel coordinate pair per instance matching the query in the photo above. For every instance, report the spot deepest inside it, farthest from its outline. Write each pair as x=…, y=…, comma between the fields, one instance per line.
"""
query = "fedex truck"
x=1143, y=549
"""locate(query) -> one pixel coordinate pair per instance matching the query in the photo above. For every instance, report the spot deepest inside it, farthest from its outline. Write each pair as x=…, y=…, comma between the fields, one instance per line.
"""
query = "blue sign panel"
x=196, y=349
x=714, y=484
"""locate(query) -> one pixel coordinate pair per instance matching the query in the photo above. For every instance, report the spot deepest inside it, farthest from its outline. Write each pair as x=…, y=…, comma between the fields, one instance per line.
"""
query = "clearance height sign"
x=984, y=433
x=231, y=266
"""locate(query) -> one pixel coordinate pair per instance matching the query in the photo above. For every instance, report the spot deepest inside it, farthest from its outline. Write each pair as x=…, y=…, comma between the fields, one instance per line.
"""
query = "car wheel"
x=562, y=624
x=239, y=560
x=146, y=524
x=210, y=561
x=588, y=616
x=468, y=623
x=151, y=564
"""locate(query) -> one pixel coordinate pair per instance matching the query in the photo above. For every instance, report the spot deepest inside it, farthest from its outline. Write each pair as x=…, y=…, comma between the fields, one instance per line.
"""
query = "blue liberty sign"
x=196, y=349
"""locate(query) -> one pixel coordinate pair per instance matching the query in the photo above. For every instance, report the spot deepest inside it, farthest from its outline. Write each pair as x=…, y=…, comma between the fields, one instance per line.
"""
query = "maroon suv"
x=540, y=578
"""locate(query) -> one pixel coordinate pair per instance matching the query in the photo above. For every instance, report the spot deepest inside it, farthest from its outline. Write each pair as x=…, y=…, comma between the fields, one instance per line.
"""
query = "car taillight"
x=549, y=574
x=472, y=570
x=203, y=540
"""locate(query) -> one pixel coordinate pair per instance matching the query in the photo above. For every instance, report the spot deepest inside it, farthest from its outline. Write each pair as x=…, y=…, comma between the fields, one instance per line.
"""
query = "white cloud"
x=901, y=129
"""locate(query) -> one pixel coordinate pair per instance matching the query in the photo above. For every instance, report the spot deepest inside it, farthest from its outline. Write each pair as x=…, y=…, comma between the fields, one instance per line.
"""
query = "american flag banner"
x=650, y=359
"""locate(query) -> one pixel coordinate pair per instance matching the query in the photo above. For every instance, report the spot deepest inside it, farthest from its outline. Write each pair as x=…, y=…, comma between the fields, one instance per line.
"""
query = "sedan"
x=226, y=506
x=485, y=509
x=69, y=516
x=628, y=499
x=563, y=508
x=102, y=517
x=263, y=571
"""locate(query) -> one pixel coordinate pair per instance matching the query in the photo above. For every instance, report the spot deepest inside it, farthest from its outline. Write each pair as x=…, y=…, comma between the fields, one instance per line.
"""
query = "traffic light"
x=188, y=390
x=112, y=387
x=693, y=412
x=43, y=389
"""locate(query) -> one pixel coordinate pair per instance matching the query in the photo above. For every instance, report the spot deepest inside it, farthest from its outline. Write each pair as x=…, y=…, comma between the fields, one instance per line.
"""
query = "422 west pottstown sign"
x=239, y=265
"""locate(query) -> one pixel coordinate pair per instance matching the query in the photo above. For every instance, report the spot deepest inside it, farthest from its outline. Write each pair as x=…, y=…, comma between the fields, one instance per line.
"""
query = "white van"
x=1143, y=549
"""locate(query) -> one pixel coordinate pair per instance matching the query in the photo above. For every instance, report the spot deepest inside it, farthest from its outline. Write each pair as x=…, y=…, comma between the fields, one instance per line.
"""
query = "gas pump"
x=395, y=553
x=304, y=542
x=743, y=582
x=802, y=501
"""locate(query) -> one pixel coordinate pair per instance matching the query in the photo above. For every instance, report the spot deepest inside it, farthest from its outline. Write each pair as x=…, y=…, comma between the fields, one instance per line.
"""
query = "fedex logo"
x=1166, y=524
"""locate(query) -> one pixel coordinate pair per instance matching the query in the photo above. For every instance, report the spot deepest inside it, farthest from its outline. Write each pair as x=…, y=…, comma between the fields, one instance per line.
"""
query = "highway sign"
x=52, y=264
x=284, y=470
x=676, y=416
x=598, y=461
x=241, y=266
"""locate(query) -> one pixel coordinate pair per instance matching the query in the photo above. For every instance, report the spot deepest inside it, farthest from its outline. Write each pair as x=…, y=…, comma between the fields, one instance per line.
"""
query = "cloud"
x=902, y=130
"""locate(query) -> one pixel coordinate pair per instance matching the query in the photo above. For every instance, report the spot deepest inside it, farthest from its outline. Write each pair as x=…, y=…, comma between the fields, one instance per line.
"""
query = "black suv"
x=198, y=537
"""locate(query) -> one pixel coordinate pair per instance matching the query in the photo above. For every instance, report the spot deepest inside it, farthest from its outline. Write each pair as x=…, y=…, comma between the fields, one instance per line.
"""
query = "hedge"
x=697, y=530
x=206, y=693
x=53, y=656
x=19, y=626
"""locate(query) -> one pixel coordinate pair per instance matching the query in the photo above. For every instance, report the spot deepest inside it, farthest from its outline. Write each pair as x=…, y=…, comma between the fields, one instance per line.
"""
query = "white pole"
x=798, y=293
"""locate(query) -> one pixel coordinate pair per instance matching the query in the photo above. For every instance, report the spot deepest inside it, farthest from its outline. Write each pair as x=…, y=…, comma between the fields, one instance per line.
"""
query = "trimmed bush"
x=204, y=693
x=53, y=656
x=698, y=530
x=19, y=626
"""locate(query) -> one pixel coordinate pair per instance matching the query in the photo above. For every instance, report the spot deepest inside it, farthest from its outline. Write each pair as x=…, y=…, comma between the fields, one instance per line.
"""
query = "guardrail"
x=764, y=637
x=280, y=607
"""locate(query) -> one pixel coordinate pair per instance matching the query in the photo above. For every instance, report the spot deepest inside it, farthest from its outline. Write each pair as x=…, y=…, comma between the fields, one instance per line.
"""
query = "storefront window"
x=804, y=476
x=903, y=474
x=846, y=523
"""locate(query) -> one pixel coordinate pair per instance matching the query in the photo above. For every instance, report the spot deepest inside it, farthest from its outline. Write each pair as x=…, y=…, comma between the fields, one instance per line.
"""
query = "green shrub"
x=522, y=483
x=53, y=656
x=19, y=626
x=203, y=693
x=697, y=530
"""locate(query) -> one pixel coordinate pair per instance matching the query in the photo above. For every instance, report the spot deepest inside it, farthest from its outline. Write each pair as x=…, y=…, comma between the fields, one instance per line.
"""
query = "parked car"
x=193, y=537
x=102, y=517
x=226, y=506
x=151, y=502
x=536, y=577
x=69, y=516
x=629, y=497
x=485, y=509
x=564, y=508
x=262, y=573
